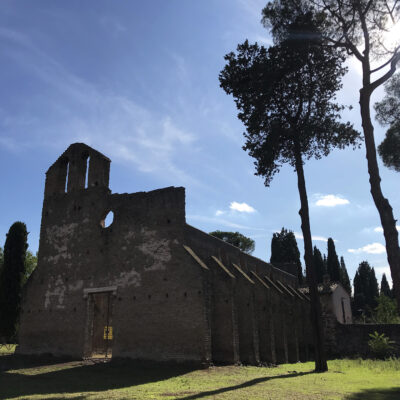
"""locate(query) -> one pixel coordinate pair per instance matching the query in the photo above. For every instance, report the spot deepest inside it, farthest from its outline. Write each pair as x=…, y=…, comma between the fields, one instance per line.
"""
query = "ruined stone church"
x=149, y=286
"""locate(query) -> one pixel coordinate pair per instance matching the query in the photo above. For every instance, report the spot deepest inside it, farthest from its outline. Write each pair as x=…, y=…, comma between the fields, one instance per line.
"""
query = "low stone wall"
x=352, y=340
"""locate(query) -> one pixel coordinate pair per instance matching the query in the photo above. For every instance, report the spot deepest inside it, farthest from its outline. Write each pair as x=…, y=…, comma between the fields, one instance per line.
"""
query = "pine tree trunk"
x=382, y=204
x=316, y=314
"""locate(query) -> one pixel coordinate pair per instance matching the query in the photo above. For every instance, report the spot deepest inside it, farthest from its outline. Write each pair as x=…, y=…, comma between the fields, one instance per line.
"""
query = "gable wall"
x=159, y=290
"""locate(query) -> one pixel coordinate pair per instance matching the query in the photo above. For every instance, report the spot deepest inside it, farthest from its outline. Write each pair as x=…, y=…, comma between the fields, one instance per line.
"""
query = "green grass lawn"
x=346, y=379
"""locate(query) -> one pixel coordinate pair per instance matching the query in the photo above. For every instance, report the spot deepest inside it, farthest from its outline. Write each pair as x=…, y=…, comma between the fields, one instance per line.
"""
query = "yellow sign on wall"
x=108, y=333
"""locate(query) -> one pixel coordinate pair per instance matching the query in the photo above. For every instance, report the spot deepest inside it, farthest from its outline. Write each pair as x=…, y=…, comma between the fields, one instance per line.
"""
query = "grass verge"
x=346, y=379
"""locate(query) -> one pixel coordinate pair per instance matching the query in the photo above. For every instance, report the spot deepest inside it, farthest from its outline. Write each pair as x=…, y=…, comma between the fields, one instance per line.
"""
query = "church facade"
x=149, y=286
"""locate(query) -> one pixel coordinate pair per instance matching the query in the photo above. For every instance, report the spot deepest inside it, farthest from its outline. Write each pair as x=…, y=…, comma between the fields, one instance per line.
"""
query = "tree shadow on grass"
x=376, y=394
x=243, y=385
x=78, y=377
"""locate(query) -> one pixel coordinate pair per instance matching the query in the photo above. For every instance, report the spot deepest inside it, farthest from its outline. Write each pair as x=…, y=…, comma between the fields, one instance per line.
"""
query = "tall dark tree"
x=389, y=149
x=374, y=289
x=388, y=113
x=333, y=265
x=325, y=264
x=359, y=27
x=365, y=289
x=284, y=250
x=344, y=276
x=387, y=110
x=385, y=288
x=1, y=259
x=285, y=96
x=236, y=239
x=319, y=266
x=11, y=279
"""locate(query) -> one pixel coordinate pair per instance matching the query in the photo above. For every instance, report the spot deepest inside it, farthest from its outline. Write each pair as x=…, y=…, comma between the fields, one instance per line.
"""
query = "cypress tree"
x=320, y=268
x=333, y=265
x=365, y=289
x=361, y=283
x=12, y=278
x=385, y=288
x=284, y=250
x=344, y=276
x=373, y=290
x=1, y=259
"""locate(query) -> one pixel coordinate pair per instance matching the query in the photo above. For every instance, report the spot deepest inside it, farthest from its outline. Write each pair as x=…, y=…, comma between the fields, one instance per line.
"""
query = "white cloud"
x=380, y=229
x=320, y=238
x=219, y=212
x=299, y=236
x=241, y=207
x=330, y=200
x=218, y=222
x=373, y=248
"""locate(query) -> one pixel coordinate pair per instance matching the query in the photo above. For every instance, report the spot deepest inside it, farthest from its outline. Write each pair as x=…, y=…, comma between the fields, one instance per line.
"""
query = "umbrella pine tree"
x=285, y=97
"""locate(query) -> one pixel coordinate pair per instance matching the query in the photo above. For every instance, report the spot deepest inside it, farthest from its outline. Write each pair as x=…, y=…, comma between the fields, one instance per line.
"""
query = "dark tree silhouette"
x=284, y=250
x=358, y=27
x=374, y=289
x=389, y=149
x=285, y=96
x=333, y=265
x=385, y=288
x=11, y=279
x=387, y=110
x=236, y=239
x=1, y=259
x=388, y=113
x=365, y=289
x=344, y=276
x=319, y=266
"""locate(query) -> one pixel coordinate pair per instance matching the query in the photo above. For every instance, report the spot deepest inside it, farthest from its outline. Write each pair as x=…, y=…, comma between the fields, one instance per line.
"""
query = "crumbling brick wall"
x=171, y=291
x=156, y=288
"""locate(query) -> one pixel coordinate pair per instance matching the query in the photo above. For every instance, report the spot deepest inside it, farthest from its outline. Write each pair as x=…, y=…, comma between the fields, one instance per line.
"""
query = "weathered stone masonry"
x=149, y=286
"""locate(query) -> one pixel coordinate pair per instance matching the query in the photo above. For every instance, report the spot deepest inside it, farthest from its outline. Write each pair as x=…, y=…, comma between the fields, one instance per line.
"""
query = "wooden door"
x=102, y=333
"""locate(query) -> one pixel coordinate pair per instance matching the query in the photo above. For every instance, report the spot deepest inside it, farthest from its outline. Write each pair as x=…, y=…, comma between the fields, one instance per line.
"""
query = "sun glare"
x=392, y=37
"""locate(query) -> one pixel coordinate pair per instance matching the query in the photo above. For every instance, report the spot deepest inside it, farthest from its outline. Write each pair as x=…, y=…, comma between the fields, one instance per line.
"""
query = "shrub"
x=380, y=345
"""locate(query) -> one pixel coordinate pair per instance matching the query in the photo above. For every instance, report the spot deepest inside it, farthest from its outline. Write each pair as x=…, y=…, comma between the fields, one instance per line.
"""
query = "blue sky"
x=138, y=81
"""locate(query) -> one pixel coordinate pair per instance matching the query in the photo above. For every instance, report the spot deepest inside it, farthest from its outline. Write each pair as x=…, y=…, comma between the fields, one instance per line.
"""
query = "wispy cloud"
x=380, y=229
x=77, y=110
x=10, y=144
x=299, y=236
x=241, y=207
x=222, y=222
x=373, y=248
x=112, y=24
x=330, y=200
x=181, y=66
x=219, y=212
x=264, y=40
x=253, y=8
